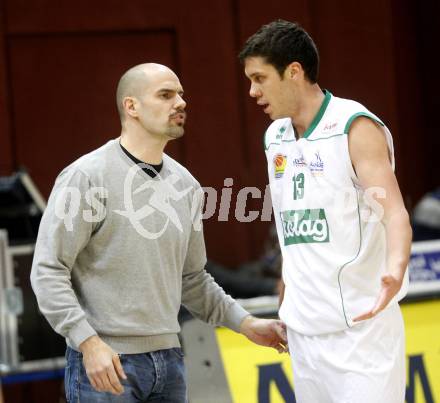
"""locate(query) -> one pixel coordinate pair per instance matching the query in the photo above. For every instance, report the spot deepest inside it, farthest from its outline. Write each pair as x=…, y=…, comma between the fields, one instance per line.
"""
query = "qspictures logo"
x=304, y=226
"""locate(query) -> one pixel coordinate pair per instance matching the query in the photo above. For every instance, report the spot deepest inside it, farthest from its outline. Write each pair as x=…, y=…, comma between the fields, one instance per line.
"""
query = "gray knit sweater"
x=118, y=252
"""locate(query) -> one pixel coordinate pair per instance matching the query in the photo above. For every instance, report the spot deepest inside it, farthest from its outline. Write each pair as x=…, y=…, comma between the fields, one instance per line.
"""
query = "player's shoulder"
x=348, y=110
x=275, y=132
x=346, y=105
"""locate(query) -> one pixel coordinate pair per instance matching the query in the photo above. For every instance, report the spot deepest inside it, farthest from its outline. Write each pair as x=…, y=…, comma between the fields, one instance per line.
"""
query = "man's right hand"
x=103, y=367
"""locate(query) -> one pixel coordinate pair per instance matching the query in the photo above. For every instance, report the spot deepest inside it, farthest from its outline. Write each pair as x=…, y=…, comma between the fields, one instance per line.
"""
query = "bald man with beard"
x=121, y=247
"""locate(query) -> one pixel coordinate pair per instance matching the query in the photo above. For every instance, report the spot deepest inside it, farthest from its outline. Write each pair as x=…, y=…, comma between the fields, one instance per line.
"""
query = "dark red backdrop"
x=60, y=62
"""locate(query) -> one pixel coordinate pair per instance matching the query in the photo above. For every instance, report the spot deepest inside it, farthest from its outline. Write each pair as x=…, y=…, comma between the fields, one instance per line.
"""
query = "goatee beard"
x=175, y=132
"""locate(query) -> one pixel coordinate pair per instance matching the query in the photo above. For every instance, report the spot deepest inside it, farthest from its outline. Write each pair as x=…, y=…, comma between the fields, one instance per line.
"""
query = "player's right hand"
x=102, y=365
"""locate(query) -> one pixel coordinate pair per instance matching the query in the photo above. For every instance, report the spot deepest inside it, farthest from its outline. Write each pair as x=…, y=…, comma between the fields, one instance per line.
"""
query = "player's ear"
x=293, y=71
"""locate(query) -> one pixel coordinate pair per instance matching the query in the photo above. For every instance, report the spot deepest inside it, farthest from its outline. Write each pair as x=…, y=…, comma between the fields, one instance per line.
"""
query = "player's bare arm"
x=370, y=158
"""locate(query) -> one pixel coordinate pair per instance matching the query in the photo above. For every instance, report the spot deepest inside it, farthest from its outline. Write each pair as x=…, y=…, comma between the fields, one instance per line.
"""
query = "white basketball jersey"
x=333, y=244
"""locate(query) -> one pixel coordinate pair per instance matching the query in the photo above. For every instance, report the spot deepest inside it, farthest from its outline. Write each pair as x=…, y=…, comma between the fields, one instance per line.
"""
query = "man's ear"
x=293, y=71
x=130, y=106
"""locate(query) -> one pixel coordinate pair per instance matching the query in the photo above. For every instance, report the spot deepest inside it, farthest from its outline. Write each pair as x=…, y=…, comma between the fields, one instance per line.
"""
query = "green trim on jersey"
x=279, y=136
x=270, y=144
x=350, y=261
x=326, y=138
x=319, y=115
x=356, y=115
x=319, y=138
x=266, y=147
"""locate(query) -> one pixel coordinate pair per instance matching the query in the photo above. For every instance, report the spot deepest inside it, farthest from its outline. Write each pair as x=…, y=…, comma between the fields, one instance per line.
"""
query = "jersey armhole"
x=359, y=114
x=264, y=140
x=347, y=129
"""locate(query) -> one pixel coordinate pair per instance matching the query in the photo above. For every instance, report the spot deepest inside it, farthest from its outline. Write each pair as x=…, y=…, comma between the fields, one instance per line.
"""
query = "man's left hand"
x=265, y=332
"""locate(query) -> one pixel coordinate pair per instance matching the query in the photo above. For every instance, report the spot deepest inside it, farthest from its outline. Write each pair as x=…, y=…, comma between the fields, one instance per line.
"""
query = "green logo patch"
x=304, y=226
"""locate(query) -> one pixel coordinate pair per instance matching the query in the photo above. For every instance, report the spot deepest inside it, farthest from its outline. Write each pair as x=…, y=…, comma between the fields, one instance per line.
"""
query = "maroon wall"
x=60, y=62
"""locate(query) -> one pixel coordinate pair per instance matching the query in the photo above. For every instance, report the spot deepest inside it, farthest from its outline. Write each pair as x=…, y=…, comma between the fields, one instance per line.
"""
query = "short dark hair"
x=281, y=43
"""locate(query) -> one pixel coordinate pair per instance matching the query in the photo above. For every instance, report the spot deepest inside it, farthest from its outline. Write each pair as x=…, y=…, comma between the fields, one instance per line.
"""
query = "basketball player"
x=342, y=225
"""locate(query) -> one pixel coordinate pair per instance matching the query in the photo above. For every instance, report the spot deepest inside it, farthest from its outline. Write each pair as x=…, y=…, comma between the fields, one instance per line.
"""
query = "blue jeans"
x=158, y=376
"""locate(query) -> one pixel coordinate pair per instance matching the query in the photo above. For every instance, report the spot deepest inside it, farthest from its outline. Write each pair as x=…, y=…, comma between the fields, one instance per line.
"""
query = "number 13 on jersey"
x=298, y=186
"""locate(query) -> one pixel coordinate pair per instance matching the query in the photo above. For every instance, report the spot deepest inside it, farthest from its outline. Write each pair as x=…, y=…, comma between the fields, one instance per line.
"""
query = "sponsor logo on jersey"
x=304, y=226
x=330, y=126
x=280, y=162
x=299, y=162
x=279, y=136
x=317, y=165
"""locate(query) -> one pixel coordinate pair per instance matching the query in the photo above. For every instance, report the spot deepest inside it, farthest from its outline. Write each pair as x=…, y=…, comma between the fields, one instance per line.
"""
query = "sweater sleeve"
x=63, y=233
x=201, y=295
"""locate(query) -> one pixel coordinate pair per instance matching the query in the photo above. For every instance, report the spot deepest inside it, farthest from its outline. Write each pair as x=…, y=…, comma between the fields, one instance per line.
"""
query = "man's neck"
x=143, y=145
x=311, y=100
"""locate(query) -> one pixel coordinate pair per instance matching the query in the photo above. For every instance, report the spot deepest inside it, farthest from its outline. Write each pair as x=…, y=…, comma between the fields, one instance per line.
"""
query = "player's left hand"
x=265, y=332
x=390, y=287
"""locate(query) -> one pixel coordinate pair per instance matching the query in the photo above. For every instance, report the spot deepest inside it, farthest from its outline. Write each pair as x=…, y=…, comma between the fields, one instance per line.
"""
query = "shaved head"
x=134, y=81
x=150, y=102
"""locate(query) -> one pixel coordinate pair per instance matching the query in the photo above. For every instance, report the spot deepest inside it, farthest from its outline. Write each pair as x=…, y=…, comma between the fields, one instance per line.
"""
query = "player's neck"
x=145, y=147
x=310, y=101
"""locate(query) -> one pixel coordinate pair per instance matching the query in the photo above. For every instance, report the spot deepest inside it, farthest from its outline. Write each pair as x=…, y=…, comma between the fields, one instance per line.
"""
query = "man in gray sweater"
x=121, y=246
